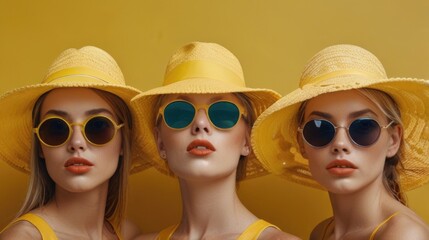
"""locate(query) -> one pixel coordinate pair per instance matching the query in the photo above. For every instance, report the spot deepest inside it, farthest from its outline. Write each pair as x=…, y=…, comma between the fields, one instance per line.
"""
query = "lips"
x=200, y=147
x=341, y=167
x=78, y=165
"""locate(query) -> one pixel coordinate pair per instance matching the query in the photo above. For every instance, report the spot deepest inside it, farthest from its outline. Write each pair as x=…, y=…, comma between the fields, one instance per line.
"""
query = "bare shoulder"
x=147, y=236
x=404, y=226
x=21, y=230
x=274, y=233
x=319, y=229
x=130, y=230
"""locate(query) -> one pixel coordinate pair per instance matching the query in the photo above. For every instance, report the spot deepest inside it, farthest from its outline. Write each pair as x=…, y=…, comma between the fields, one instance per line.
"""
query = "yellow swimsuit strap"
x=381, y=225
x=41, y=225
x=166, y=233
x=255, y=229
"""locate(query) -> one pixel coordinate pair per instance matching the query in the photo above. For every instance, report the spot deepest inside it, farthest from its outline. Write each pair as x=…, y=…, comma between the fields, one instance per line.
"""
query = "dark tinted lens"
x=179, y=114
x=54, y=131
x=99, y=130
x=318, y=133
x=364, y=132
x=224, y=114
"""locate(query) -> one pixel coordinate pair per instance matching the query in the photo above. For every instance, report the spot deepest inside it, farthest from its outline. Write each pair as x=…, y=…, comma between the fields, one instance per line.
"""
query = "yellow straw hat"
x=197, y=68
x=338, y=68
x=86, y=67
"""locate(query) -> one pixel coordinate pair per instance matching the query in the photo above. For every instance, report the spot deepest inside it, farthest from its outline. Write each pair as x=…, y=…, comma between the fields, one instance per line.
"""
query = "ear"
x=394, y=141
x=159, y=143
x=301, y=144
x=246, y=149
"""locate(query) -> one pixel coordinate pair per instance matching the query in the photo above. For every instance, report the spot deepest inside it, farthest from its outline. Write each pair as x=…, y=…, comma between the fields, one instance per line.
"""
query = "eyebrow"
x=87, y=113
x=186, y=98
x=351, y=115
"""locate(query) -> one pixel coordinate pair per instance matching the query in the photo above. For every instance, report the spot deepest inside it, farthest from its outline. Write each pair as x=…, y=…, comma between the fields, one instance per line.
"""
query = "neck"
x=77, y=214
x=211, y=207
x=361, y=210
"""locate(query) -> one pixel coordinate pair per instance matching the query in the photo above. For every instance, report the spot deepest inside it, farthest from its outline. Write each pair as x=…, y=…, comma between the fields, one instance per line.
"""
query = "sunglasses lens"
x=99, y=130
x=318, y=133
x=179, y=114
x=54, y=131
x=364, y=132
x=224, y=115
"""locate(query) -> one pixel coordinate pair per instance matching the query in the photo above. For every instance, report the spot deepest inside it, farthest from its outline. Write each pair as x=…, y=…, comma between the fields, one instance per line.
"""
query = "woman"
x=201, y=119
x=72, y=133
x=359, y=135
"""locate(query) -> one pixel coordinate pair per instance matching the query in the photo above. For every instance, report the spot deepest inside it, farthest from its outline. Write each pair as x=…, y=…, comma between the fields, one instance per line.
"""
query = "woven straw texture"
x=86, y=67
x=337, y=68
x=197, y=68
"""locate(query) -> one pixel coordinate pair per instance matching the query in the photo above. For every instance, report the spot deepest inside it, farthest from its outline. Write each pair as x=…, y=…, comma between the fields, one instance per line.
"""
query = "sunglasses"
x=363, y=132
x=56, y=131
x=180, y=114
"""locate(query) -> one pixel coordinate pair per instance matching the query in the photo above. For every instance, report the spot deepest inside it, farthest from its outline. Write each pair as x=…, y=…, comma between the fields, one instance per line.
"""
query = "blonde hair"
x=41, y=188
x=392, y=112
x=249, y=118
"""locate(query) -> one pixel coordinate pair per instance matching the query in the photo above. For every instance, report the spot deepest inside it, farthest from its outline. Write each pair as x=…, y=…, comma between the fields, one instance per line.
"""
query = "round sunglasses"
x=180, y=114
x=362, y=131
x=56, y=131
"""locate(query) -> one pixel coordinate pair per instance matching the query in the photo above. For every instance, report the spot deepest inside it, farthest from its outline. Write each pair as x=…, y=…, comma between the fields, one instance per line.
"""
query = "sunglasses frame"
x=82, y=129
x=301, y=130
x=197, y=107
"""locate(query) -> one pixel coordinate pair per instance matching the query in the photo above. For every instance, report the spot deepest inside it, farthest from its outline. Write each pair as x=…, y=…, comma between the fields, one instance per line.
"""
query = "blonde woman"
x=197, y=129
x=72, y=134
x=357, y=134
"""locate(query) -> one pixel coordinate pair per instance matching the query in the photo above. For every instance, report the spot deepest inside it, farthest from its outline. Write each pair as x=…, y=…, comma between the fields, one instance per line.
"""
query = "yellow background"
x=272, y=39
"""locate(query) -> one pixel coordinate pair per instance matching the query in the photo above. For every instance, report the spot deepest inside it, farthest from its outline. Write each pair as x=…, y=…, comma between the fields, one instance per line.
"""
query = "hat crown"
x=87, y=61
x=339, y=61
x=204, y=60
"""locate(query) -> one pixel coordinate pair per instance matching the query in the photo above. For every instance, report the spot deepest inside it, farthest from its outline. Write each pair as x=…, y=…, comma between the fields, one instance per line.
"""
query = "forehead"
x=202, y=98
x=342, y=103
x=73, y=100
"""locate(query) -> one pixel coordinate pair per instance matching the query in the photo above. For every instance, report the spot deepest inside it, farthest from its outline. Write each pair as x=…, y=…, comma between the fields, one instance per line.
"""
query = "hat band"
x=81, y=71
x=319, y=79
x=202, y=69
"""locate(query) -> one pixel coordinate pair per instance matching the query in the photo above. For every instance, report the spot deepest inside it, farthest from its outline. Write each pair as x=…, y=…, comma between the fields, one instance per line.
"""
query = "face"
x=341, y=165
x=78, y=165
x=200, y=150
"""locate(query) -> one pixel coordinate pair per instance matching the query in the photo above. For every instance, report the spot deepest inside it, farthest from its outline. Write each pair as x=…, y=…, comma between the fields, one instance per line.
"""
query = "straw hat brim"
x=144, y=103
x=275, y=131
x=16, y=108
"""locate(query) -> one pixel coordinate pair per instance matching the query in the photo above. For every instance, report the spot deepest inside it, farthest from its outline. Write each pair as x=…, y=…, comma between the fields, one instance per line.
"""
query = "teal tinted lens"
x=179, y=114
x=224, y=115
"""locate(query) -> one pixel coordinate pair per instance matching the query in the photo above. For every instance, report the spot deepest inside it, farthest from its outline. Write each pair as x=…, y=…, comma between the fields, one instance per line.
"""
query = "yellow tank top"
x=329, y=228
x=251, y=233
x=41, y=225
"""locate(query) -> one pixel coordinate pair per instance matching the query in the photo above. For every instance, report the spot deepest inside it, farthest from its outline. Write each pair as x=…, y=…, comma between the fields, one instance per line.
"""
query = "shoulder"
x=147, y=236
x=129, y=230
x=21, y=230
x=404, y=226
x=320, y=229
x=276, y=234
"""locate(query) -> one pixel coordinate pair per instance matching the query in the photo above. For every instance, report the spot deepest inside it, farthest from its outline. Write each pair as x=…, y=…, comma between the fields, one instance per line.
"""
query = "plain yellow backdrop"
x=272, y=39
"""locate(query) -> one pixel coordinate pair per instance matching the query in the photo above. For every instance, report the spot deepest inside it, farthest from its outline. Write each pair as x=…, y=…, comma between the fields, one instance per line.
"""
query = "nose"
x=77, y=141
x=341, y=142
x=201, y=123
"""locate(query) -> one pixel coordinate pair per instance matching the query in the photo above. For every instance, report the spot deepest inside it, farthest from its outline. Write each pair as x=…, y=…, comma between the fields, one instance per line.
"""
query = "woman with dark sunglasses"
x=196, y=127
x=359, y=135
x=72, y=133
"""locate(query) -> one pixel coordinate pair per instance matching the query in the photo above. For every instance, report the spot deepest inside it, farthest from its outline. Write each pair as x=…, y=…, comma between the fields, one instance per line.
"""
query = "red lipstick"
x=78, y=165
x=341, y=167
x=200, y=147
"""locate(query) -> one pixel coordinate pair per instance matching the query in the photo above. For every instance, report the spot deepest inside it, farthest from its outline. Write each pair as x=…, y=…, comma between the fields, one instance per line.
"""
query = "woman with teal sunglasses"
x=197, y=129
